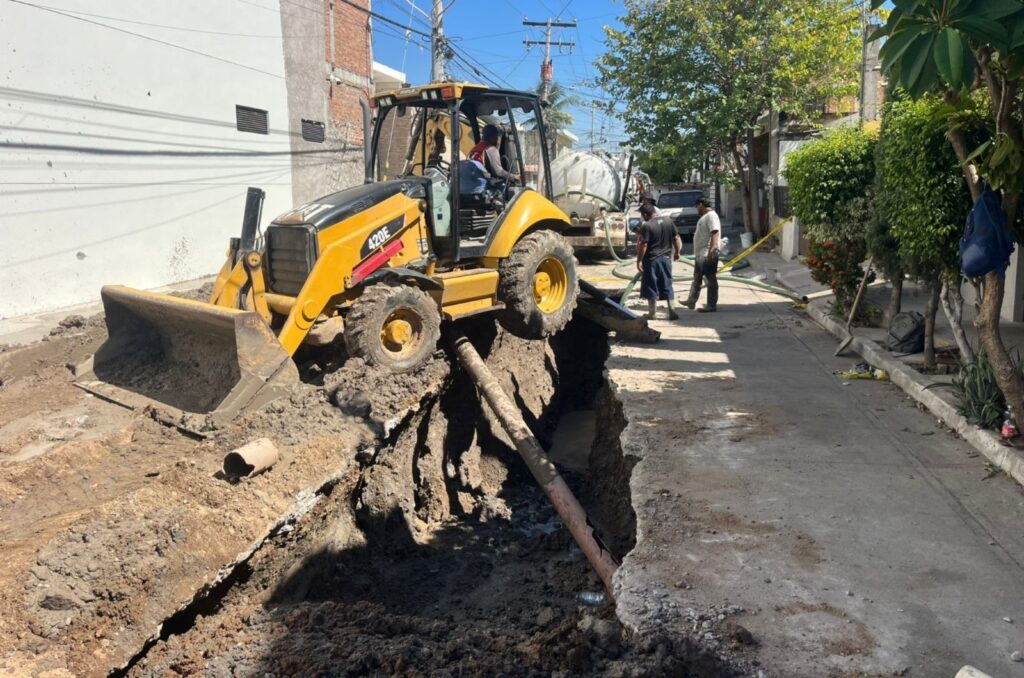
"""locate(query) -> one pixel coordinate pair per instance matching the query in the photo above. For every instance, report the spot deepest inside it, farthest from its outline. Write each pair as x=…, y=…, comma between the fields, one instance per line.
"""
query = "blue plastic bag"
x=986, y=245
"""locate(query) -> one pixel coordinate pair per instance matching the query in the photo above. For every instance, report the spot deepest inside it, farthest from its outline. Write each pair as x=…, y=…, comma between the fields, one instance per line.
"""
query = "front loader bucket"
x=190, y=361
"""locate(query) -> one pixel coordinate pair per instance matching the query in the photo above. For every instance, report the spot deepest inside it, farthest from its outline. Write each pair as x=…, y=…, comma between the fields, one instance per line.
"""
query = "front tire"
x=537, y=283
x=392, y=325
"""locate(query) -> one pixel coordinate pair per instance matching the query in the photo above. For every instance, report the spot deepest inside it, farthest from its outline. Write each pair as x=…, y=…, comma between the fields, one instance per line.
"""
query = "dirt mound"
x=144, y=520
x=201, y=293
x=380, y=397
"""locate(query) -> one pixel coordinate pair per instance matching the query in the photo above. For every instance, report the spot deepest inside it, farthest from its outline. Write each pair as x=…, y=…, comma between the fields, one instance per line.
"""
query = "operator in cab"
x=486, y=153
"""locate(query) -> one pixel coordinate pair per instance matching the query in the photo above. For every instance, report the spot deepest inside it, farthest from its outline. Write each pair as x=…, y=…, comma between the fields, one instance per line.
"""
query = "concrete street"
x=857, y=536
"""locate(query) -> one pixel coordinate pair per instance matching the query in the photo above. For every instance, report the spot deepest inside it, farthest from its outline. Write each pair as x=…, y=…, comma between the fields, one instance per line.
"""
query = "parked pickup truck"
x=681, y=207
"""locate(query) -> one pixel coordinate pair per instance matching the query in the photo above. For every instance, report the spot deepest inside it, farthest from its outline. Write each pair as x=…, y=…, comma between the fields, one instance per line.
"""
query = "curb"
x=914, y=385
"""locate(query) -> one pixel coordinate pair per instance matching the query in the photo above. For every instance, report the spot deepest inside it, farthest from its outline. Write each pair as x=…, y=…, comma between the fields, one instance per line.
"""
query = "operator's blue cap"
x=491, y=133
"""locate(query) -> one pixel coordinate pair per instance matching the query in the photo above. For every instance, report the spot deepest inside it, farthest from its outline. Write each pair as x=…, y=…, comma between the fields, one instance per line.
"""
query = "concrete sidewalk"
x=796, y=276
x=837, y=523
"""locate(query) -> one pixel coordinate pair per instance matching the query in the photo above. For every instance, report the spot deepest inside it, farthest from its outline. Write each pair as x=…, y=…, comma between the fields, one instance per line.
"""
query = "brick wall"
x=350, y=59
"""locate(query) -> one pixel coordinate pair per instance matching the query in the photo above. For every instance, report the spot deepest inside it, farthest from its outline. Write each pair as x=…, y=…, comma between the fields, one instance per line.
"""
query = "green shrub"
x=922, y=194
x=829, y=179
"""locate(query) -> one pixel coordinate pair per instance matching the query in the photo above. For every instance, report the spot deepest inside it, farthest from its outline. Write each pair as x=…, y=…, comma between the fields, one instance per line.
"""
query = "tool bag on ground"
x=906, y=333
x=986, y=245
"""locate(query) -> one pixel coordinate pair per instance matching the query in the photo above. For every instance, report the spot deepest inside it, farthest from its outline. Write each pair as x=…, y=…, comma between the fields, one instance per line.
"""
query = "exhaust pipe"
x=625, y=184
x=251, y=220
x=367, y=155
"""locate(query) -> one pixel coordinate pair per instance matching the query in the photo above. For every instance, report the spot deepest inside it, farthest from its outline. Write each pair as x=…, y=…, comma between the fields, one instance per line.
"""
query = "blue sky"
x=491, y=33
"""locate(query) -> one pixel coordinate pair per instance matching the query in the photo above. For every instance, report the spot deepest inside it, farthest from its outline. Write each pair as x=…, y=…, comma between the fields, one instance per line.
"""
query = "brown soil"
x=398, y=533
x=440, y=557
x=110, y=521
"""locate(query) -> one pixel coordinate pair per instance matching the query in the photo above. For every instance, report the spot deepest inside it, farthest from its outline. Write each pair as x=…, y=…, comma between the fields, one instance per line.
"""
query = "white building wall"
x=119, y=157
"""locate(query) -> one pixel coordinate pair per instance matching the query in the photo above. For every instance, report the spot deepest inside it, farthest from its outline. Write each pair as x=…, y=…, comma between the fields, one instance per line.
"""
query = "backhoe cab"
x=382, y=264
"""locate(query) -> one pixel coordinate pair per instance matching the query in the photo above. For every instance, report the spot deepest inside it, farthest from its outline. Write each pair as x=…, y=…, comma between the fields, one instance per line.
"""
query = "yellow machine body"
x=232, y=353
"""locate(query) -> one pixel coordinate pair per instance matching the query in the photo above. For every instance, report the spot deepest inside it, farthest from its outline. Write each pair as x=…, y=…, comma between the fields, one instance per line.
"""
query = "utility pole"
x=864, y=22
x=438, y=48
x=546, y=68
x=593, y=107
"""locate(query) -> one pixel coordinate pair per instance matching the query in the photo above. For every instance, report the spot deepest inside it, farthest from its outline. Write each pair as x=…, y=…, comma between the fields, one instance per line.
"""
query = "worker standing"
x=647, y=198
x=657, y=246
x=705, y=254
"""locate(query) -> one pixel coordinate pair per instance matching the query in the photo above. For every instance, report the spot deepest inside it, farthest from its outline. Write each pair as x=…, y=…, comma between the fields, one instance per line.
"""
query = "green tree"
x=924, y=200
x=697, y=75
x=884, y=249
x=557, y=118
x=957, y=47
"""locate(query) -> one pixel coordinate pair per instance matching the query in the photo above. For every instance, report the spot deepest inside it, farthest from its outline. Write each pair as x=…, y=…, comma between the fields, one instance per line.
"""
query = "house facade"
x=130, y=132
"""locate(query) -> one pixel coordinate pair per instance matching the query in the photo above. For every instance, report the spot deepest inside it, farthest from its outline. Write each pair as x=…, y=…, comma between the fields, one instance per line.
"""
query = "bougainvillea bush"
x=838, y=265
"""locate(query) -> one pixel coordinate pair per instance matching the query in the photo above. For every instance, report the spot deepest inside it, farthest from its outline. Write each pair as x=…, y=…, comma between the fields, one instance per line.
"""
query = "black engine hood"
x=331, y=209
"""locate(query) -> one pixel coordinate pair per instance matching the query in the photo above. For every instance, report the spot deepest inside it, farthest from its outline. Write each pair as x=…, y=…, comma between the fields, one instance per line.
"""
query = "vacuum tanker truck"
x=599, y=192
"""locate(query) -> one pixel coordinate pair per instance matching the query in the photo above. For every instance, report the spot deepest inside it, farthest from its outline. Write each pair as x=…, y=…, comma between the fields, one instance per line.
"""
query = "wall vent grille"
x=313, y=131
x=251, y=120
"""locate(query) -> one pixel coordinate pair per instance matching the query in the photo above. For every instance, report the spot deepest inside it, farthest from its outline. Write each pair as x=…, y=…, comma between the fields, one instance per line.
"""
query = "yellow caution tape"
x=745, y=253
x=874, y=373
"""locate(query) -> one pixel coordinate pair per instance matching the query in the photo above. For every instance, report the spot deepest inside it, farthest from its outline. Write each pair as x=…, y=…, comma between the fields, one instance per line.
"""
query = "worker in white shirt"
x=705, y=254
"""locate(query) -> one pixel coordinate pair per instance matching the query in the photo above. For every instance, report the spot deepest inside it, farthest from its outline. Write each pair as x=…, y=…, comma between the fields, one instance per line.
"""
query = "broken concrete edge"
x=305, y=501
x=631, y=623
x=916, y=386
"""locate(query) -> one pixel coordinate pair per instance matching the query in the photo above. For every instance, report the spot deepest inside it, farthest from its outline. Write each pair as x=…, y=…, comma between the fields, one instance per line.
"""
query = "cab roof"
x=446, y=90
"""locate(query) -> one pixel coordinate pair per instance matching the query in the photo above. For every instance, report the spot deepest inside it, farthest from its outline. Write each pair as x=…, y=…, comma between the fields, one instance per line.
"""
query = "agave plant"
x=979, y=399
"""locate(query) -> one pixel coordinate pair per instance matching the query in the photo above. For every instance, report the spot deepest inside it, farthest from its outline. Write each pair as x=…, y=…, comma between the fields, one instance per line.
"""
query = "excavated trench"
x=436, y=552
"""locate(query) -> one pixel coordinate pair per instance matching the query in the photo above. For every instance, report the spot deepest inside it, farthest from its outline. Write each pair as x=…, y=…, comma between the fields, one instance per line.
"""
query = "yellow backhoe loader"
x=382, y=263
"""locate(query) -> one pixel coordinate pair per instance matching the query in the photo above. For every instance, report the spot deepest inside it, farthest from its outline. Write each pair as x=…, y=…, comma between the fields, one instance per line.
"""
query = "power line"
x=515, y=7
x=383, y=18
x=146, y=37
x=546, y=68
x=412, y=8
x=174, y=28
x=491, y=35
x=466, y=64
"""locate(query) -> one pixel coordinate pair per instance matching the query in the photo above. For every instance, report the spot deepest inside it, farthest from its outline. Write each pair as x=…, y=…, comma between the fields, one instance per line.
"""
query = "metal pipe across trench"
x=545, y=473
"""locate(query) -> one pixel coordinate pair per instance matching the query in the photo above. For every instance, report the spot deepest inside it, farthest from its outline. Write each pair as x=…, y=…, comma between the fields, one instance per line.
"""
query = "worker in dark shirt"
x=657, y=246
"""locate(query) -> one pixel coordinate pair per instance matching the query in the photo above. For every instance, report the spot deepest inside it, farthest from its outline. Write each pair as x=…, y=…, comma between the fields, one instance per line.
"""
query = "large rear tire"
x=537, y=283
x=393, y=325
